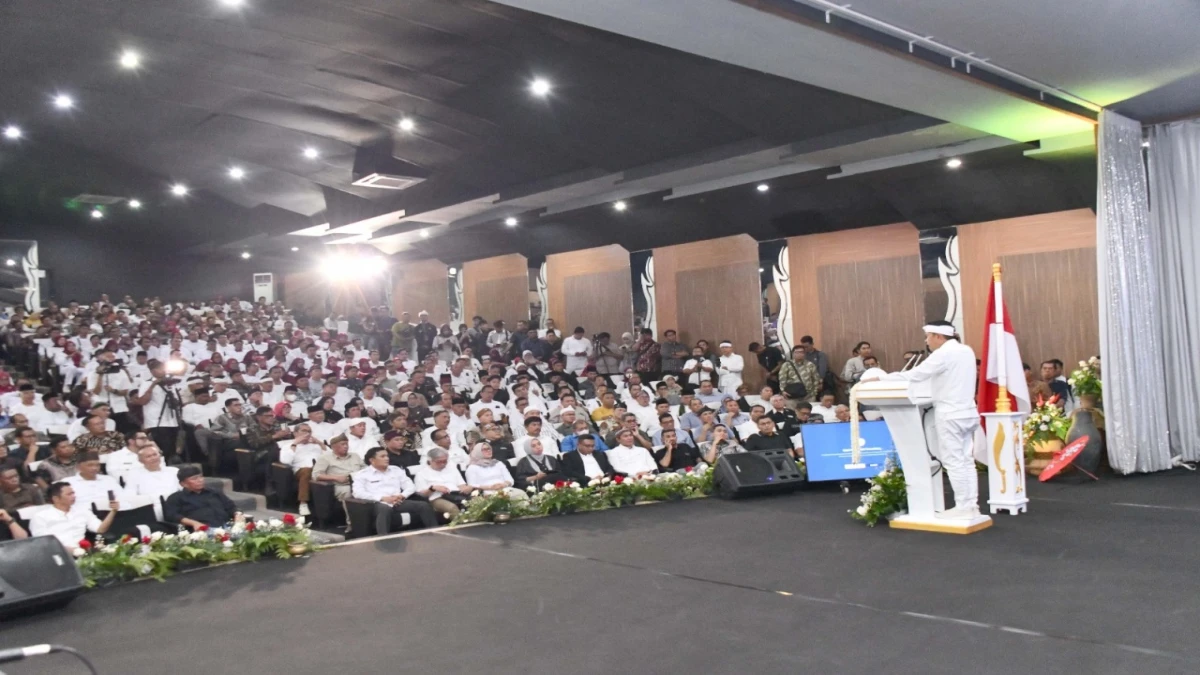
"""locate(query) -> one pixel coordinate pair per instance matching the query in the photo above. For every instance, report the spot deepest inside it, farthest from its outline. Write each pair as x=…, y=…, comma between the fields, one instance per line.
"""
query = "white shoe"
x=304, y=511
x=963, y=512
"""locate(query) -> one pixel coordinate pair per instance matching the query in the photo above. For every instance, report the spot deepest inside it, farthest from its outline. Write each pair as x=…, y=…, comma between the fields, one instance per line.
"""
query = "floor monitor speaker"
x=754, y=473
x=35, y=574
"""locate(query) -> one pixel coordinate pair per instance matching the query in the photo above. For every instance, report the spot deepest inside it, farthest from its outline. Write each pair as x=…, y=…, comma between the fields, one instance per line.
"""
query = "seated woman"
x=490, y=475
x=331, y=415
x=721, y=444
x=538, y=468
x=284, y=414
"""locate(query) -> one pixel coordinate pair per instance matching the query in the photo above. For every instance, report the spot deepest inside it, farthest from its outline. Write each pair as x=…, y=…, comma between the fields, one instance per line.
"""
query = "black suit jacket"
x=572, y=465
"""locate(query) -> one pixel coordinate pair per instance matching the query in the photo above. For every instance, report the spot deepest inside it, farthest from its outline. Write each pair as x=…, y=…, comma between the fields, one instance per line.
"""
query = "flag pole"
x=1003, y=405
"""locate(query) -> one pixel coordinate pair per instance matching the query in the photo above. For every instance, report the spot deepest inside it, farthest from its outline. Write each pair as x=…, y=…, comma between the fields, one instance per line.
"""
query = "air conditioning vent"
x=103, y=200
x=387, y=182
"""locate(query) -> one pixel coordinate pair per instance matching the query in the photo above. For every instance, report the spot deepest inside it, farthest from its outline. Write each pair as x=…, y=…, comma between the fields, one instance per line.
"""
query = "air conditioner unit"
x=264, y=286
x=386, y=181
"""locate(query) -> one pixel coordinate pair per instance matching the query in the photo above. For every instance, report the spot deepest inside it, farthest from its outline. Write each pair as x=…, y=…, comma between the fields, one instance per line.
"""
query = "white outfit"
x=119, y=381
x=730, y=370
x=88, y=492
x=378, y=404
x=572, y=346
x=360, y=446
x=591, y=468
x=427, y=477
x=478, y=476
x=703, y=369
x=159, y=483
x=69, y=528
x=952, y=372
x=120, y=463
x=372, y=484
x=632, y=460
x=305, y=456
x=829, y=414
x=156, y=413
x=76, y=428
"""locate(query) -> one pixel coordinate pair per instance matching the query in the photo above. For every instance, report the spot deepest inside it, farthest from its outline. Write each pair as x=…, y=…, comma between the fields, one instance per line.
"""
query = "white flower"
x=575, y=485
x=862, y=510
x=876, y=488
x=156, y=536
x=198, y=536
x=238, y=528
x=145, y=550
x=1044, y=427
x=1071, y=381
x=547, y=487
x=228, y=543
x=531, y=489
x=218, y=532
x=475, y=493
x=1093, y=360
x=78, y=552
x=146, y=568
x=275, y=522
x=1083, y=364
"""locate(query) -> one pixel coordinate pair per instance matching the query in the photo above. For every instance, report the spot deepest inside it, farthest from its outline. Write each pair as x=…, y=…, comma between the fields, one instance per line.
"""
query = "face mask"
x=290, y=397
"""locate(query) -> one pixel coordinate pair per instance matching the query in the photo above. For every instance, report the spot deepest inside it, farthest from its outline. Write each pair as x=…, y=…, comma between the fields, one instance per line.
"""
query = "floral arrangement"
x=159, y=555
x=1046, y=423
x=888, y=494
x=1085, y=380
x=569, y=497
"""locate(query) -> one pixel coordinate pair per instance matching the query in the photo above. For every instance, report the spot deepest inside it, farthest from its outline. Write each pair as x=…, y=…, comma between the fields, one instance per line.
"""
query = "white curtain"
x=1127, y=251
x=1175, y=214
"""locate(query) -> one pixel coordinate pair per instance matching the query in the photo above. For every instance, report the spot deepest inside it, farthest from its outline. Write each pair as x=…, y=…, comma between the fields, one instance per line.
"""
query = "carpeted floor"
x=1096, y=579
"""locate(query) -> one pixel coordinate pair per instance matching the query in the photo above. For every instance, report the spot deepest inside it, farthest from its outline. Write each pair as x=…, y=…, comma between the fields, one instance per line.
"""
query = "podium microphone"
x=22, y=653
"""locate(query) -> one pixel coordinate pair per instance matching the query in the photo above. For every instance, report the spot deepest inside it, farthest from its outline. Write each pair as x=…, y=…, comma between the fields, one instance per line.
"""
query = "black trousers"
x=388, y=516
x=167, y=439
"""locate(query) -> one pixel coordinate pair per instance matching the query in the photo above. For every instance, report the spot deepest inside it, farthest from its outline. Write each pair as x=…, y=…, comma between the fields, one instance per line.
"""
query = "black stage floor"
x=1096, y=579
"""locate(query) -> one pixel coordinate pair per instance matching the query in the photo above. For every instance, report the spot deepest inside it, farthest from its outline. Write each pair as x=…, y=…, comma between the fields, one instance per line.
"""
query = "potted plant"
x=1085, y=382
x=1044, y=433
x=886, y=498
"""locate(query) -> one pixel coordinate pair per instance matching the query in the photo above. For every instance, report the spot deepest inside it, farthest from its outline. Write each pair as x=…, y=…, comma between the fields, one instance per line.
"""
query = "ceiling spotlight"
x=232, y=3
x=12, y=133
x=424, y=234
x=763, y=187
x=10, y=262
x=237, y=173
x=179, y=190
x=510, y=221
x=407, y=124
x=135, y=204
x=97, y=214
x=1145, y=144
x=245, y=255
x=954, y=163
x=620, y=206
x=540, y=87
x=295, y=248
x=130, y=59
x=64, y=102
x=761, y=270
x=311, y=153
x=453, y=271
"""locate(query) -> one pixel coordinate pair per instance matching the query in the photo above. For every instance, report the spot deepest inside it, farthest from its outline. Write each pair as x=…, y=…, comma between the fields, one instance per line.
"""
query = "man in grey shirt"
x=673, y=352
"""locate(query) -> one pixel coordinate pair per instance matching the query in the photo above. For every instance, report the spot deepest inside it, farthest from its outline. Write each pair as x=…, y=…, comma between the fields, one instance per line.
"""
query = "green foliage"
x=888, y=494
x=1085, y=381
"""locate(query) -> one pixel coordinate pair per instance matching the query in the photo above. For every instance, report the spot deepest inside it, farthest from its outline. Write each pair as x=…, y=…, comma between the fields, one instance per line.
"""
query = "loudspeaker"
x=35, y=574
x=755, y=473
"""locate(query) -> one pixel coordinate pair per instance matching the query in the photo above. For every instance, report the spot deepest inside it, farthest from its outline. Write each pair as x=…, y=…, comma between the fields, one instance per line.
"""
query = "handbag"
x=795, y=389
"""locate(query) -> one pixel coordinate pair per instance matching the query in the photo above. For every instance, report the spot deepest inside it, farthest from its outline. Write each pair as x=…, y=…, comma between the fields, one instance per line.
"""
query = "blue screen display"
x=827, y=450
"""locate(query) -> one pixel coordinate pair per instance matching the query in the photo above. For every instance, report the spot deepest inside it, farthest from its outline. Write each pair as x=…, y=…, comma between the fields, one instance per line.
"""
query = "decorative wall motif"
x=782, y=280
x=650, y=320
x=22, y=278
x=948, y=270
x=543, y=293
x=456, y=297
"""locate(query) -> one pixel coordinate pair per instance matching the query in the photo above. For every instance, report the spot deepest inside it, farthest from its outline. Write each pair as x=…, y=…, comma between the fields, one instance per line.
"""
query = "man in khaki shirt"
x=336, y=466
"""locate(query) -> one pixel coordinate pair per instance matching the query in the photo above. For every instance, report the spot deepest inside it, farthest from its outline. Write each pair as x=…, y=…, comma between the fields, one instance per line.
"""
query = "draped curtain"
x=1174, y=159
x=1128, y=251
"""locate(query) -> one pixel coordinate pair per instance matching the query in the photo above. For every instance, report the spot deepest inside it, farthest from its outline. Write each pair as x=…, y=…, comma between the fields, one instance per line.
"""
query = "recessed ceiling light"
x=311, y=153
x=10, y=262
x=954, y=163
x=12, y=132
x=97, y=214
x=245, y=255
x=130, y=59
x=540, y=87
x=64, y=102
x=237, y=173
x=407, y=124
x=179, y=189
x=424, y=234
x=763, y=187
x=761, y=270
x=232, y=3
x=135, y=204
x=1145, y=144
x=295, y=248
x=620, y=206
x=452, y=271
x=510, y=221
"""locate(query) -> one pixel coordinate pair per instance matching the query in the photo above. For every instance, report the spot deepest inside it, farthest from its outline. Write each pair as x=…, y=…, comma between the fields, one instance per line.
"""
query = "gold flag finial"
x=996, y=271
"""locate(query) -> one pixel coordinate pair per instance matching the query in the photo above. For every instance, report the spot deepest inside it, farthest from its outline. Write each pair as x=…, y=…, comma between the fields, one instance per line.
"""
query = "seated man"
x=67, y=523
x=841, y=413
x=748, y=429
x=14, y=494
x=585, y=464
x=357, y=434
x=667, y=423
x=579, y=429
x=336, y=465
x=97, y=439
x=60, y=465
x=768, y=438
x=629, y=422
x=825, y=408
x=196, y=505
x=784, y=417
x=390, y=489
x=306, y=450
x=673, y=456
x=493, y=435
x=442, y=484
x=152, y=478
x=399, y=452
x=121, y=462
x=629, y=459
x=533, y=429
x=15, y=531
x=709, y=396
x=91, y=486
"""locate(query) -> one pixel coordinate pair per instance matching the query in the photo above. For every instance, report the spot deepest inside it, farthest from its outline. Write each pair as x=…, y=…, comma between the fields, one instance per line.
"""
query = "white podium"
x=907, y=409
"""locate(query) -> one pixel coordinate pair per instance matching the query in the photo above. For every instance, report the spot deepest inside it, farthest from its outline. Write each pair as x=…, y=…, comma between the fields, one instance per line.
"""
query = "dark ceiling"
x=253, y=86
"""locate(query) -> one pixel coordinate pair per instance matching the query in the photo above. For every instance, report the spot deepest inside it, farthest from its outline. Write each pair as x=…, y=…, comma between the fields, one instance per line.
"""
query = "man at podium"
x=951, y=371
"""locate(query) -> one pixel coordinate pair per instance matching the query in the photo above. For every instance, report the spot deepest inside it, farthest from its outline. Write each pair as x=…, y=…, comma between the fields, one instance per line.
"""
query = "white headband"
x=727, y=344
x=948, y=331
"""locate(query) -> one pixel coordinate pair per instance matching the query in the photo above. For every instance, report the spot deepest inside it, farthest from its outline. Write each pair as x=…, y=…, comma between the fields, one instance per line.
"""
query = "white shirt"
x=305, y=455
x=464, y=382
x=456, y=438
x=119, y=381
x=730, y=370
x=572, y=346
x=427, y=477
x=88, y=492
x=159, y=483
x=829, y=414
x=478, y=476
x=120, y=463
x=323, y=431
x=632, y=460
x=35, y=412
x=373, y=484
x=951, y=370
x=498, y=337
x=591, y=468
x=360, y=446
x=497, y=408
x=201, y=415
x=378, y=404
x=702, y=368
x=76, y=428
x=69, y=528
x=156, y=413
x=549, y=444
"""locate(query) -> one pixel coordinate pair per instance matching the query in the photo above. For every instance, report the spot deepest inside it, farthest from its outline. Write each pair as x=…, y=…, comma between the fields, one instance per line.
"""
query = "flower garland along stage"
x=160, y=555
x=887, y=495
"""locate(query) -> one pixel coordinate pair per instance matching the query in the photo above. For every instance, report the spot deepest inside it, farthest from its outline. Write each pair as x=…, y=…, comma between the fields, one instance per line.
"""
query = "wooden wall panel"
x=711, y=290
x=507, y=280
x=1050, y=288
x=304, y=292
x=422, y=285
x=879, y=301
x=599, y=302
x=889, y=258
x=590, y=288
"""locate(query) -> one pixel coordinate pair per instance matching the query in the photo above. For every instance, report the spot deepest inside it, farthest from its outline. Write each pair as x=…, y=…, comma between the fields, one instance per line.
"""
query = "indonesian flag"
x=998, y=340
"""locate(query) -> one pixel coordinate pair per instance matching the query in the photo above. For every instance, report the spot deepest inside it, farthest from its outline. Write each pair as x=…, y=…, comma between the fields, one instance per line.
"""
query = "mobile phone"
x=112, y=496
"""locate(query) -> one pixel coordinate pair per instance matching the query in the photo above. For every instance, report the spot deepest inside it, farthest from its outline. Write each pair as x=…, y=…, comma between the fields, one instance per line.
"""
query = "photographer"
x=110, y=383
x=161, y=406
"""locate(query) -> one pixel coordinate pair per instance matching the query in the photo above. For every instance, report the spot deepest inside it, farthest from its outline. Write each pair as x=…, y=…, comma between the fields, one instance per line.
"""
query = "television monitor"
x=827, y=450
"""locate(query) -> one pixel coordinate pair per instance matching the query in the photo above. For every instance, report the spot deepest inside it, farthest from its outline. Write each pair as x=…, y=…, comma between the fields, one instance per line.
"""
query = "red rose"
x=250, y=526
x=618, y=479
x=85, y=544
x=689, y=469
x=202, y=528
x=289, y=519
x=225, y=537
x=125, y=539
x=560, y=484
x=145, y=540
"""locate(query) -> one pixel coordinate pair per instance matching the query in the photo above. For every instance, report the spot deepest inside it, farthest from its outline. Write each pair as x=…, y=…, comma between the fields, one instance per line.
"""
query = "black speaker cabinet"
x=36, y=574
x=755, y=473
